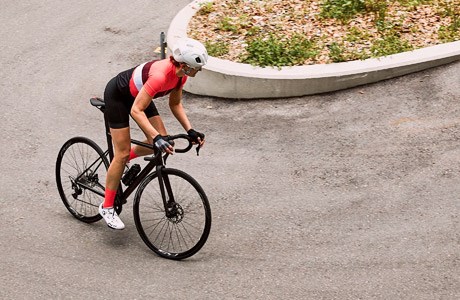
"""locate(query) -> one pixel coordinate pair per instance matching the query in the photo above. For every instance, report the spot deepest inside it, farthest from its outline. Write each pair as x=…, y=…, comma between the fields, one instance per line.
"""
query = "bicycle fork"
x=170, y=205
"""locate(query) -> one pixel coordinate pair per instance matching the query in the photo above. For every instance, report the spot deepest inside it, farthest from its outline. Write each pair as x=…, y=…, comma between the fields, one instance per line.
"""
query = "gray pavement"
x=347, y=195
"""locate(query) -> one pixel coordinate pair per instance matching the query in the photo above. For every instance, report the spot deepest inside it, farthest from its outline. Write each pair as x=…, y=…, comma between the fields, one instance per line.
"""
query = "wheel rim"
x=184, y=230
x=82, y=167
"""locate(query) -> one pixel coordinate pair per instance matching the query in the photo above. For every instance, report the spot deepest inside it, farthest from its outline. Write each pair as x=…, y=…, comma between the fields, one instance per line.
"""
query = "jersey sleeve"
x=155, y=83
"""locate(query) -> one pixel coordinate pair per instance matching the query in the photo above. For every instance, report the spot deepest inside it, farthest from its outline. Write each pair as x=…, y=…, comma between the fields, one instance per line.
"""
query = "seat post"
x=109, y=139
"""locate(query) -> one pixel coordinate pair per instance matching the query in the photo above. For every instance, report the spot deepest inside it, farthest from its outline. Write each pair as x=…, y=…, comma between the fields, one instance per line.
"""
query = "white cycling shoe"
x=111, y=217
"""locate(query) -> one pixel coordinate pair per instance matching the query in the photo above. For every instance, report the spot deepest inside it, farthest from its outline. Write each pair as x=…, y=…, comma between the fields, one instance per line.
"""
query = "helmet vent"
x=198, y=60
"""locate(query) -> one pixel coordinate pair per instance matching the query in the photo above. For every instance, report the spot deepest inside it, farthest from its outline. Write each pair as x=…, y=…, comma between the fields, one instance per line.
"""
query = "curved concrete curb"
x=223, y=78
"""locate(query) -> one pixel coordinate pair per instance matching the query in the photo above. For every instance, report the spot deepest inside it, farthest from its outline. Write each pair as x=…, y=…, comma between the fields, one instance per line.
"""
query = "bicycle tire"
x=184, y=239
x=76, y=156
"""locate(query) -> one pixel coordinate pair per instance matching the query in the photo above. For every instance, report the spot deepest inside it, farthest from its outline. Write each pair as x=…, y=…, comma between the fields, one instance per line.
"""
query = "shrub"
x=216, y=49
x=226, y=24
x=276, y=51
x=389, y=44
x=451, y=32
x=342, y=9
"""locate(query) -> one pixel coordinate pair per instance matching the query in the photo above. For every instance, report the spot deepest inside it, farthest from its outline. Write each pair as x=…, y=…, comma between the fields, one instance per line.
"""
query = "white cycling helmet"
x=191, y=52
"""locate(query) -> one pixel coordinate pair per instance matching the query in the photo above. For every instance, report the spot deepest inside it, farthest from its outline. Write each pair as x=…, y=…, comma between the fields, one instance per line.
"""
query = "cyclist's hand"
x=168, y=139
x=196, y=137
x=163, y=145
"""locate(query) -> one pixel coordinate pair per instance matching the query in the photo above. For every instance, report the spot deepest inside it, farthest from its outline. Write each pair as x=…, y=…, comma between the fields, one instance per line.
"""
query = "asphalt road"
x=347, y=195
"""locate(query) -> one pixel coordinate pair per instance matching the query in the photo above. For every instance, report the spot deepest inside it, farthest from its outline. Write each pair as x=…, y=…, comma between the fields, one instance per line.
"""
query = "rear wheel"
x=81, y=169
x=183, y=230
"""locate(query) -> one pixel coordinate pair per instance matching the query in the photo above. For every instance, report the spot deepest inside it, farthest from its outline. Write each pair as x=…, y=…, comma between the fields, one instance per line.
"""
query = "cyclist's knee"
x=122, y=156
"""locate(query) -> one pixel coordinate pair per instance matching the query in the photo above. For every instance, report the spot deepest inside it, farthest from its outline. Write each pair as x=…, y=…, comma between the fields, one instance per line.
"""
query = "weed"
x=384, y=37
x=390, y=43
x=216, y=49
x=342, y=9
x=276, y=51
x=254, y=30
x=451, y=32
x=337, y=52
x=379, y=8
x=226, y=24
x=355, y=35
x=206, y=8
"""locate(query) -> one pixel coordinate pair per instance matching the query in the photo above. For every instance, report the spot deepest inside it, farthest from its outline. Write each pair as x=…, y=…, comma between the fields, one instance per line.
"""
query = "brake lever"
x=198, y=150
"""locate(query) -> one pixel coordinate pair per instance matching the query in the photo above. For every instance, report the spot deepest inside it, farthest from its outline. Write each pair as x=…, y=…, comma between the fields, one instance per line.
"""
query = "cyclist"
x=131, y=93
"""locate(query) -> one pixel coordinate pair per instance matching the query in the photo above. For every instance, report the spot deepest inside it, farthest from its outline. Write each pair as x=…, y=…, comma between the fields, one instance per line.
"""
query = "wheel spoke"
x=184, y=232
x=81, y=170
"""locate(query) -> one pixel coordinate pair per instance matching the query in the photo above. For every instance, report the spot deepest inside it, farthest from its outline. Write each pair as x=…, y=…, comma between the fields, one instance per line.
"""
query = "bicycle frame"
x=156, y=161
x=145, y=171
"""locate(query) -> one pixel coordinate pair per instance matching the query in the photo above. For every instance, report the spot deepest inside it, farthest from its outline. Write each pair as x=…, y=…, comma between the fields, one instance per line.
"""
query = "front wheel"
x=182, y=231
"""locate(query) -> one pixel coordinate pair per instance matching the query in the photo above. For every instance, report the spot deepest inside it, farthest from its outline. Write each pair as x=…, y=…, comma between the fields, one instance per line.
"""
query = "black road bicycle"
x=171, y=210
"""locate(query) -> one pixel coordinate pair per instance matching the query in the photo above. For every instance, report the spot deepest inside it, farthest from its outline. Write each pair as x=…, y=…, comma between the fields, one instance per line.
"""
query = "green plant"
x=206, y=8
x=390, y=43
x=253, y=30
x=226, y=24
x=339, y=53
x=336, y=52
x=451, y=32
x=216, y=49
x=356, y=35
x=342, y=9
x=277, y=51
x=414, y=3
x=379, y=8
x=353, y=36
x=244, y=21
x=346, y=9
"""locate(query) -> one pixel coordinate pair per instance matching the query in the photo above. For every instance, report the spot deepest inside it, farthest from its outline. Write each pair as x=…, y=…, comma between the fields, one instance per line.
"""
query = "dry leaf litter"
x=287, y=17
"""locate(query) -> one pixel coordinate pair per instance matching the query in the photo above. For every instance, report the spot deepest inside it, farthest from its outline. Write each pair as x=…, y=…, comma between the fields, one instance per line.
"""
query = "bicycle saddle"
x=98, y=102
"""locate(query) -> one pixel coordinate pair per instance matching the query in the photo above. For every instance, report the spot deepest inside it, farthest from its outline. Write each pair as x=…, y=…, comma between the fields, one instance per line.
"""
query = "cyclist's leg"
x=117, y=115
x=121, y=142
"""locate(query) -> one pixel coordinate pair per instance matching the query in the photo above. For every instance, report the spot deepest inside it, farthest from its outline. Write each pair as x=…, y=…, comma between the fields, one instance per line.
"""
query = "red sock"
x=109, y=199
x=132, y=154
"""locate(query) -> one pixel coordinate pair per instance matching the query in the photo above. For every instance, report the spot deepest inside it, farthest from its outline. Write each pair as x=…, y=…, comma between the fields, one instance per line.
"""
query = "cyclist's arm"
x=142, y=101
x=175, y=104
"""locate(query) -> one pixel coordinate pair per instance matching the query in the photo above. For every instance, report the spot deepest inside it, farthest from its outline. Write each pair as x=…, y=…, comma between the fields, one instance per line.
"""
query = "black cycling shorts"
x=118, y=105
